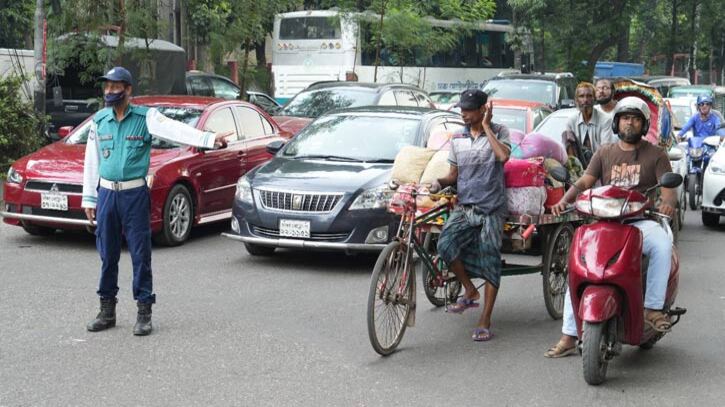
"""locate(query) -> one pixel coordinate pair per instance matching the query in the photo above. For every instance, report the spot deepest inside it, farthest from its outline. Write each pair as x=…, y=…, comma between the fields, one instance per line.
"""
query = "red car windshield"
x=186, y=115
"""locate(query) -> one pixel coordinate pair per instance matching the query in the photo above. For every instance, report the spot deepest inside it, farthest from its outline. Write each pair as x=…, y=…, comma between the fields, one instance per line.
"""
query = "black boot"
x=143, y=320
x=106, y=318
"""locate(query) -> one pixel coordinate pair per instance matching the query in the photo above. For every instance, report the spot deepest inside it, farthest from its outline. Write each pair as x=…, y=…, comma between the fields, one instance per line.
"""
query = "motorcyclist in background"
x=704, y=124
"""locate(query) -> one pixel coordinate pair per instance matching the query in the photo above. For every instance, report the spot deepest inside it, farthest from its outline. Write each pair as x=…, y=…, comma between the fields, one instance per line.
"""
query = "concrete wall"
x=10, y=58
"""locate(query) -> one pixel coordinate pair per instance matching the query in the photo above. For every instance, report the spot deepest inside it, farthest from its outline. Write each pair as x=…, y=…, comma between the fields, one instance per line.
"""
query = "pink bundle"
x=538, y=145
x=524, y=173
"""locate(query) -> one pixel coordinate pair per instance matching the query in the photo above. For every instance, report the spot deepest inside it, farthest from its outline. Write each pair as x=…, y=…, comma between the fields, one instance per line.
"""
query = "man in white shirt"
x=604, y=92
x=590, y=127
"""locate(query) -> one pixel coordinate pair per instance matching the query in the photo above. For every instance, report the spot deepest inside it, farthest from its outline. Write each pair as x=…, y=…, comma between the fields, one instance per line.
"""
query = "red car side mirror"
x=64, y=131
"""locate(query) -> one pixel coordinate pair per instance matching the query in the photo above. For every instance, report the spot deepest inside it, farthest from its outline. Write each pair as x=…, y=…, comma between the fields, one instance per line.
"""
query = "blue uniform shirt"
x=125, y=146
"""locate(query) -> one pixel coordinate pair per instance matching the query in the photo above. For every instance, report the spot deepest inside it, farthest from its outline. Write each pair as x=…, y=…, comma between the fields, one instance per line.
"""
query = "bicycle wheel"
x=390, y=298
x=433, y=286
x=555, y=269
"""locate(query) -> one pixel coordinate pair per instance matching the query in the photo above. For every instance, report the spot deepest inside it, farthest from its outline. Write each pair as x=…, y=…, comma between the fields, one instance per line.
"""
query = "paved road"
x=232, y=329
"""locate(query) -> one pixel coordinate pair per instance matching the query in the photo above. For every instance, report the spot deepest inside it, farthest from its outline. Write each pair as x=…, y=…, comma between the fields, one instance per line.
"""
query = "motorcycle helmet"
x=631, y=105
x=704, y=99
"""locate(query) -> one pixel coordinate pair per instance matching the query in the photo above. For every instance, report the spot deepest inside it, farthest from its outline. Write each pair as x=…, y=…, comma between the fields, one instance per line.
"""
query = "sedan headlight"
x=14, y=176
x=695, y=152
x=373, y=198
x=717, y=169
x=244, y=190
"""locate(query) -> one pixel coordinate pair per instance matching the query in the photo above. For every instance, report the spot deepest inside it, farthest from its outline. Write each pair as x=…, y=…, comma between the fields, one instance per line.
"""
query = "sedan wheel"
x=178, y=216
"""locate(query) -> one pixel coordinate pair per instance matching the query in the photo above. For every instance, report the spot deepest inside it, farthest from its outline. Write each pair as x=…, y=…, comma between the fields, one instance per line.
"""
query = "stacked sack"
x=418, y=166
x=529, y=187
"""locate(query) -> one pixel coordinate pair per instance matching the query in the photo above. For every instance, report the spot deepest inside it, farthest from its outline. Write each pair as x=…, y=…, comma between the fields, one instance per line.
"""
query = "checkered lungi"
x=475, y=239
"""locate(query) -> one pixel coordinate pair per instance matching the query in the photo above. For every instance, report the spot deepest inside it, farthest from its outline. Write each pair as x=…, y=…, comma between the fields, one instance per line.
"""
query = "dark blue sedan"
x=327, y=189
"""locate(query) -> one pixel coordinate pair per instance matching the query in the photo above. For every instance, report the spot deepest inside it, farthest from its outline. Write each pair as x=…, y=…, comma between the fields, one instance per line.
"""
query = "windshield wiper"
x=380, y=160
x=328, y=157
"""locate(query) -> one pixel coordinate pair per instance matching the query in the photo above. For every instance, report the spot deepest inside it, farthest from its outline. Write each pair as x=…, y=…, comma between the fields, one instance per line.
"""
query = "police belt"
x=122, y=185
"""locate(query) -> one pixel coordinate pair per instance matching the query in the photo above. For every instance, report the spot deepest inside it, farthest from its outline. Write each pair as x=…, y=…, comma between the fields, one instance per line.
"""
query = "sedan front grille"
x=45, y=186
x=299, y=202
x=319, y=237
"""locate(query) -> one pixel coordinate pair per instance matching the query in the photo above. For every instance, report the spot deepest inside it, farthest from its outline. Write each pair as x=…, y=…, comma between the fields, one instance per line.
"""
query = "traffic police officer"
x=117, y=158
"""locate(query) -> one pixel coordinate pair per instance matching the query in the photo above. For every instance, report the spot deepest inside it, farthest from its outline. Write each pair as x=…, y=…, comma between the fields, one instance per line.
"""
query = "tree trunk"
x=245, y=65
x=692, y=64
x=121, y=30
x=670, y=63
x=623, y=40
x=379, y=42
x=39, y=91
x=260, y=54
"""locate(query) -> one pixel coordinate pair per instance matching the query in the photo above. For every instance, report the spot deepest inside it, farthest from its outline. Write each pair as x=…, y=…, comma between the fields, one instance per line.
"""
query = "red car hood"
x=64, y=162
x=292, y=124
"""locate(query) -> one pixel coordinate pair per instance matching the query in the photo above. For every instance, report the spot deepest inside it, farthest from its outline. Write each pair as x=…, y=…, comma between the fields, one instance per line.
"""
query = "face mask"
x=113, y=99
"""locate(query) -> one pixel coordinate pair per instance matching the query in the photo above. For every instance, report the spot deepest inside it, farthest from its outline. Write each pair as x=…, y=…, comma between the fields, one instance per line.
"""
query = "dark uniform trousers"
x=120, y=213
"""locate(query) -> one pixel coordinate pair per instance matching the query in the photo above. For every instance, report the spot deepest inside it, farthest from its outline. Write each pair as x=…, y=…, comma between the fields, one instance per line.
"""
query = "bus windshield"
x=309, y=28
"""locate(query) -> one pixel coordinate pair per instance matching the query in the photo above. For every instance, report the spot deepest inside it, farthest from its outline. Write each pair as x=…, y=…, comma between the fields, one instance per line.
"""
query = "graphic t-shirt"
x=639, y=169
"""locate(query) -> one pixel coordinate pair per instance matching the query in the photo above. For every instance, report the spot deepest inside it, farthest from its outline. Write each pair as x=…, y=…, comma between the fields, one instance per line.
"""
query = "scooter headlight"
x=695, y=152
x=608, y=207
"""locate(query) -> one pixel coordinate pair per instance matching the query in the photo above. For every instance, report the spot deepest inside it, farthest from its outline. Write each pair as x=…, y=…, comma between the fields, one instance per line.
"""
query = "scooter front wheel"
x=594, y=351
x=693, y=191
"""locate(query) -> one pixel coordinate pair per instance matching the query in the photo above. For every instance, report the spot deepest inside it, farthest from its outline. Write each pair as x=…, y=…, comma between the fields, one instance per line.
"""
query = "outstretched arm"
x=177, y=132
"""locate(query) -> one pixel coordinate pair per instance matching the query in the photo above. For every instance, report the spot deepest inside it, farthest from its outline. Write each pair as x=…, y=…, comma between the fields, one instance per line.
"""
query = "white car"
x=682, y=109
x=713, y=189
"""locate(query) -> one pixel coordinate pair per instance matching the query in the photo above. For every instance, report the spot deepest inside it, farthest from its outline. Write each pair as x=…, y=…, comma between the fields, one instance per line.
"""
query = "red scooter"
x=607, y=276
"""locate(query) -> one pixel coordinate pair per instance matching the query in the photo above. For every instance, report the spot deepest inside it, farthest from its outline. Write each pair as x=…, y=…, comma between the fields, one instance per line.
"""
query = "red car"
x=519, y=114
x=189, y=186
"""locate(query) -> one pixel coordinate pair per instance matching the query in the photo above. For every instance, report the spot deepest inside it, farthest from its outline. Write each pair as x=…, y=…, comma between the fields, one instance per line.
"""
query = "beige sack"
x=438, y=167
x=410, y=164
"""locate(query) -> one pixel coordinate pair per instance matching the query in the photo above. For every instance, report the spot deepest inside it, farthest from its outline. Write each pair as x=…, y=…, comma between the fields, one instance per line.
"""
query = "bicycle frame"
x=407, y=235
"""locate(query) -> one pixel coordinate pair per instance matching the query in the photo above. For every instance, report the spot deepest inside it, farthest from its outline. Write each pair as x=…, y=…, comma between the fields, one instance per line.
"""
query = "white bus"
x=310, y=46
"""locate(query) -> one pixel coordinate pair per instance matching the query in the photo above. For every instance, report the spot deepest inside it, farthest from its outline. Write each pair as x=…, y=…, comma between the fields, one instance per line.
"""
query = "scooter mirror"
x=671, y=180
x=560, y=174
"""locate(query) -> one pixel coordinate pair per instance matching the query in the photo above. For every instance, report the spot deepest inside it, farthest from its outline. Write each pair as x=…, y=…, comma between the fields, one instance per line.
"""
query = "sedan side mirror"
x=275, y=146
x=671, y=180
x=64, y=131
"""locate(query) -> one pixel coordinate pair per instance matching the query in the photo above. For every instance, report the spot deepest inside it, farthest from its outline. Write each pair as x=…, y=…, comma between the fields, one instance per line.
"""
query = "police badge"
x=106, y=153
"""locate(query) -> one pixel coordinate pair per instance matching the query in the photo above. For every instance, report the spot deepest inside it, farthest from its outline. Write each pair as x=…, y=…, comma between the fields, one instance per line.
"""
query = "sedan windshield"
x=512, y=118
x=535, y=91
x=353, y=138
x=183, y=114
x=315, y=103
x=553, y=126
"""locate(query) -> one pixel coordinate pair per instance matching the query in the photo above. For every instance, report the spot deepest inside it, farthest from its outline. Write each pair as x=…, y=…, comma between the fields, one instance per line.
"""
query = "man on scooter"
x=704, y=124
x=629, y=163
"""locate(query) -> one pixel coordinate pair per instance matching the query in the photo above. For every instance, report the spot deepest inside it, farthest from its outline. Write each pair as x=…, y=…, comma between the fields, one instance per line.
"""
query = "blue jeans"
x=125, y=213
x=657, y=245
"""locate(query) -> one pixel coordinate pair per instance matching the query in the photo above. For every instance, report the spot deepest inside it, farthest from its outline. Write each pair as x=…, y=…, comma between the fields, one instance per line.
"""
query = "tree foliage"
x=15, y=18
x=567, y=33
x=19, y=127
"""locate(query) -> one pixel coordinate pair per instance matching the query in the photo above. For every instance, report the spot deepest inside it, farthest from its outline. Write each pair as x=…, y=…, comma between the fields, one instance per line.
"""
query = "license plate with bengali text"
x=57, y=202
x=294, y=228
